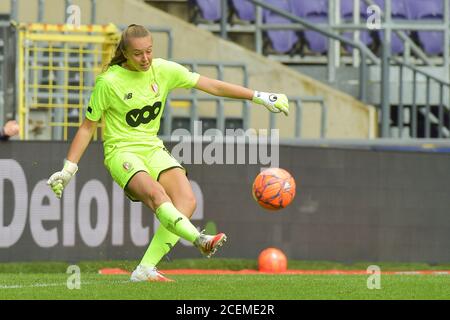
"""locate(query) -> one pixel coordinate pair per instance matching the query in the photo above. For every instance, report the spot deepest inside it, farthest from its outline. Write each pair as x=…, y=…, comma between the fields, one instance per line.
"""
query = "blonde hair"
x=132, y=31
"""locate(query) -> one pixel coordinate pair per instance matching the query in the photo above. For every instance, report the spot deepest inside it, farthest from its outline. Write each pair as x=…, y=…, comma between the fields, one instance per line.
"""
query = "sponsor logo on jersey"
x=148, y=113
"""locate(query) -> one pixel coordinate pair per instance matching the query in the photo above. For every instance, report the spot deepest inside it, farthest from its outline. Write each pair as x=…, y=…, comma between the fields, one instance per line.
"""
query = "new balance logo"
x=128, y=96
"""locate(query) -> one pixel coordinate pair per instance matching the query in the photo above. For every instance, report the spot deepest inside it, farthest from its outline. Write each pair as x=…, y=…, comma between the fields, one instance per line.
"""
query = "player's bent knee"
x=191, y=205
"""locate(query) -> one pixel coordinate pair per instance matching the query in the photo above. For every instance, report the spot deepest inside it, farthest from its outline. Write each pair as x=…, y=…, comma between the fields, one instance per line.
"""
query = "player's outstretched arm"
x=59, y=180
x=274, y=102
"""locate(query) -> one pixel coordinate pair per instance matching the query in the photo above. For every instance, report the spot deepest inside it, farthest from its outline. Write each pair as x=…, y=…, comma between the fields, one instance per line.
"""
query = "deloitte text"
x=89, y=217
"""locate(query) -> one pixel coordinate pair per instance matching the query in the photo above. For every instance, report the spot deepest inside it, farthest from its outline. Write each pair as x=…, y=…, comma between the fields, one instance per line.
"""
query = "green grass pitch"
x=49, y=281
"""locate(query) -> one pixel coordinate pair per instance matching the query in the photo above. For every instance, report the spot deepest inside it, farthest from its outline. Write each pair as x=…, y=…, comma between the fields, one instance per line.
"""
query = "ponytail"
x=118, y=57
x=132, y=31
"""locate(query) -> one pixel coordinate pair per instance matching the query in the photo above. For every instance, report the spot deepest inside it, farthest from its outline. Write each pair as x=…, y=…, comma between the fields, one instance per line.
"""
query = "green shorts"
x=123, y=165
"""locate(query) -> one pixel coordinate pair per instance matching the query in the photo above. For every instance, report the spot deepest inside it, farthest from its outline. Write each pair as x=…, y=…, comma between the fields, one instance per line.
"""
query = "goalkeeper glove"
x=59, y=180
x=275, y=102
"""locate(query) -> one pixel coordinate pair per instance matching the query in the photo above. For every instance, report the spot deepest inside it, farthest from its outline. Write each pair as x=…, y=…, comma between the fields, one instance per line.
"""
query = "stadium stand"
x=399, y=12
x=431, y=41
x=367, y=37
x=208, y=10
x=335, y=67
x=285, y=41
x=244, y=9
x=316, y=12
x=419, y=46
x=282, y=41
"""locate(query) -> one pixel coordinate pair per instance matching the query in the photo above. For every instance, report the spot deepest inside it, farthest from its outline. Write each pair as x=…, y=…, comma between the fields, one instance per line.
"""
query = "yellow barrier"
x=57, y=68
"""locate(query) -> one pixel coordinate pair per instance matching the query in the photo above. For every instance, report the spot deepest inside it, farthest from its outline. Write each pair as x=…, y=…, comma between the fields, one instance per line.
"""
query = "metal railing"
x=62, y=97
x=8, y=72
x=389, y=26
x=386, y=67
x=301, y=24
x=429, y=116
x=3, y=73
x=334, y=23
x=14, y=10
x=299, y=102
x=57, y=66
x=59, y=95
x=195, y=98
x=93, y=19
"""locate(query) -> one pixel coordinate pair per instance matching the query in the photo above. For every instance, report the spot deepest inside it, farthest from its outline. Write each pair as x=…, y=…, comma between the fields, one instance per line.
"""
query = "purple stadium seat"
x=399, y=11
x=317, y=42
x=210, y=9
x=399, y=8
x=432, y=41
x=313, y=11
x=364, y=37
x=347, y=9
x=282, y=40
x=425, y=9
x=245, y=9
x=303, y=8
x=347, y=14
x=397, y=45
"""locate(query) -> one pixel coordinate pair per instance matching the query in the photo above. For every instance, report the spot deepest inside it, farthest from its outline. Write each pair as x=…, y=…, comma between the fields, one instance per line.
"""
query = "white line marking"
x=43, y=285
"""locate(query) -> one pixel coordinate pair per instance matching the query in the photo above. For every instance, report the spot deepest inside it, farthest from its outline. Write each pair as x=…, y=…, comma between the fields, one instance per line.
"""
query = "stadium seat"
x=317, y=12
x=316, y=41
x=347, y=9
x=366, y=37
x=209, y=10
x=304, y=8
x=245, y=9
x=430, y=8
x=399, y=11
x=431, y=41
x=283, y=41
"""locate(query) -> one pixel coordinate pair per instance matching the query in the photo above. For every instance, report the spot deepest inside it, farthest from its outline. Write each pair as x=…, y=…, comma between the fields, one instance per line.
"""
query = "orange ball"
x=272, y=260
x=273, y=188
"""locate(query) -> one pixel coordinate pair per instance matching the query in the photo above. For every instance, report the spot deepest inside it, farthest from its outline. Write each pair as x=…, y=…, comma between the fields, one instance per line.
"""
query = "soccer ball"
x=274, y=188
x=272, y=260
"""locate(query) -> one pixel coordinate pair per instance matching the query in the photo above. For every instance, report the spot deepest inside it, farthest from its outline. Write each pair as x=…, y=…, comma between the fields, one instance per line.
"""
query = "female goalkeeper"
x=131, y=95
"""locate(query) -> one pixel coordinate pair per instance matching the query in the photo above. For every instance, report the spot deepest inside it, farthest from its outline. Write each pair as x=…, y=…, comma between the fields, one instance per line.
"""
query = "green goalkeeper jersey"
x=132, y=102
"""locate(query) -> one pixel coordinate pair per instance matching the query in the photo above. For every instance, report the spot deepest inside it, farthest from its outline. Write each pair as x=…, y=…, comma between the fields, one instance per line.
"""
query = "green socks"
x=175, y=222
x=162, y=242
x=173, y=226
